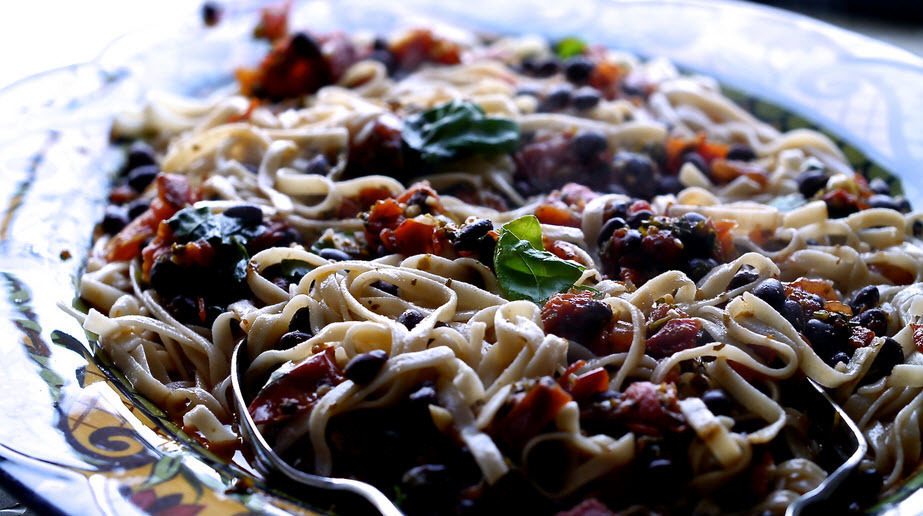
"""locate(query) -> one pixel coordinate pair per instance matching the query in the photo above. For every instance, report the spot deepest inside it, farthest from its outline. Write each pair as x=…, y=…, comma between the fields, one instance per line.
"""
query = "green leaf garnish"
x=524, y=269
x=457, y=129
x=570, y=47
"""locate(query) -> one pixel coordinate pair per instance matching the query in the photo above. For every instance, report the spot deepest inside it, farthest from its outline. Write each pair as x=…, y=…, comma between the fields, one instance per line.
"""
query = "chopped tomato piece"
x=589, y=383
x=861, y=337
x=724, y=171
x=412, y=237
x=420, y=46
x=893, y=273
x=173, y=194
x=821, y=287
x=295, y=391
x=273, y=22
x=532, y=412
x=676, y=335
x=917, y=335
x=558, y=214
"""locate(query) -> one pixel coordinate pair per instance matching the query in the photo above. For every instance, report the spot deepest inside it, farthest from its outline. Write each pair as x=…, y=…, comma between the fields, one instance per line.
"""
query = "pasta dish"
x=507, y=274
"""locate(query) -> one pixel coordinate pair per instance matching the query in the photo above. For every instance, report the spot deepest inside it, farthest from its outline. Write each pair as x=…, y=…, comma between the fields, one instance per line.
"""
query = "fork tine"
x=371, y=500
x=813, y=502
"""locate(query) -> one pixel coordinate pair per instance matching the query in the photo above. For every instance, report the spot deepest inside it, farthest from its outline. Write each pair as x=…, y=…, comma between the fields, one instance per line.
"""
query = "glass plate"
x=76, y=438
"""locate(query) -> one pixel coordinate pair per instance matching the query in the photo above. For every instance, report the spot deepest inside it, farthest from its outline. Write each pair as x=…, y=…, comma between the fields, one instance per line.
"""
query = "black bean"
x=578, y=69
x=139, y=154
x=741, y=152
x=301, y=320
x=669, y=184
x=247, y=214
x=211, y=13
x=387, y=288
x=695, y=218
x=699, y=267
x=632, y=240
x=380, y=43
x=318, y=165
x=865, y=298
x=771, y=291
x=288, y=237
x=548, y=67
x=879, y=186
x=140, y=177
x=137, y=207
x=166, y=276
x=410, y=318
x=793, y=313
x=697, y=160
x=114, y=219
x=883, y=201
x=469, y=236
x=636, y=172
x=292, y=339
x=586, y=98
x=363, y=368
x=305, y=46
x=636, y=219
x=386, y=58
x=558, y=98
x=824, y=339
x=890, y=355
x=185, y=309
x=903, y=205
x=605, y=233
x=918, y=228
x=717, y=402
x=588, y=145
x=839, y=357
x=743, y=277
x=810, y=181
x=333, y=254
x=874, y=319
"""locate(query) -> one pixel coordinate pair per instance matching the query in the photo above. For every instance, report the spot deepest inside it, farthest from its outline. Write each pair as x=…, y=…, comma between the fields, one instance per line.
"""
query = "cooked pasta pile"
x=486, y=275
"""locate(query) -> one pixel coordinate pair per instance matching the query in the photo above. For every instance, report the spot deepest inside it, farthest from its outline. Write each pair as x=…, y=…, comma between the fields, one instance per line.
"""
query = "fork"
x=843, y=430
x=347, y=496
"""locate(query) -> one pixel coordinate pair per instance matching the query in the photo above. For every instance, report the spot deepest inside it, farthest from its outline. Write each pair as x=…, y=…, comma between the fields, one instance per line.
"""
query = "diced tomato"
x=606, y=78
x=725, y=238
x=841, y=203
x=861, y=337
x=821, y=287
x=917, y=336
x=676, y=335
x=639, y=206
x=420, y=46
x=615, y=338
x=724, y=171
x=530, y=414
x=709, y=151
x=563, y=250
x=173, y=194
x=837, y=306
x=295, y=391
x=273, y=22
x=412, y=237
x=577, y=317
x=893, y=273
x=557, y=214
x=652, y=408
x=589, y=383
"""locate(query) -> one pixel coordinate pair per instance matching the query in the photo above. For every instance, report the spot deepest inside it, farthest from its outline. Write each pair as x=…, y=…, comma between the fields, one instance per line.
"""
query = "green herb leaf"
x=456, y=129
x=191, y=224
x=294, y=269
x=570, y=47
x=524, y=269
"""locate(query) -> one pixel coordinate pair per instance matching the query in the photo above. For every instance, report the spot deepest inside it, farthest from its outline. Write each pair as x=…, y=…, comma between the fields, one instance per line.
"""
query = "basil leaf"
x=570, y=47
x=294, y=269
x=191, y=224
x=457, y=129
x=524, y=269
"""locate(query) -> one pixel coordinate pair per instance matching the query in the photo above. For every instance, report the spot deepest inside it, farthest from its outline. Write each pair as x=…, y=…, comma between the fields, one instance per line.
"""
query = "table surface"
x=62, y=33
